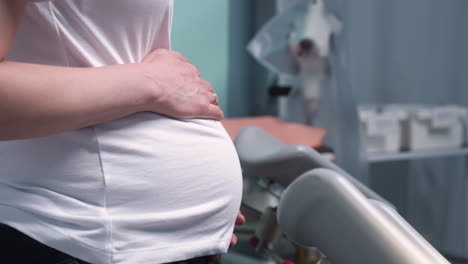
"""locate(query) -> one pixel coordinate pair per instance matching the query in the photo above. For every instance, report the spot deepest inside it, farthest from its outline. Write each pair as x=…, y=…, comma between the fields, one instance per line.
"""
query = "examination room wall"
x=200, y=32
x=409, y=51
x=214, y=34
x=416, y=52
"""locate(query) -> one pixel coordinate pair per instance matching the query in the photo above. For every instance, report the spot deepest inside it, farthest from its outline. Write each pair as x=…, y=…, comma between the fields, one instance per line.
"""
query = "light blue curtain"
x=397, y=51
x=402, y=51
x=416, y=51
x=337, y=111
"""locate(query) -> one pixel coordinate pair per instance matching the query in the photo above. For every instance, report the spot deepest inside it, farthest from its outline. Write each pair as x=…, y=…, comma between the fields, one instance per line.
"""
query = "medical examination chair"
x=324, y=207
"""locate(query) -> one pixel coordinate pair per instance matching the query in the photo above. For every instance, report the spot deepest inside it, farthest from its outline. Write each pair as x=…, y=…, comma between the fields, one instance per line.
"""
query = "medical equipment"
x=322, y=206
x=395, y=127
x=438, y=127
x=295, y=45
x=310, y=46
x=465, y=123
x=381, y=130
x=305, y=19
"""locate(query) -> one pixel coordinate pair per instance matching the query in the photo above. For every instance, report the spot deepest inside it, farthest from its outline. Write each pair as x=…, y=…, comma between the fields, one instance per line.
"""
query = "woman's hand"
x=240, y=220
x=177, y=90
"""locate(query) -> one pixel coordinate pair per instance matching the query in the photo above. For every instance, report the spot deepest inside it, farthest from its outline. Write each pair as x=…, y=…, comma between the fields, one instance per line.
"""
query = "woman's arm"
x=40, y=100
x=10, y=16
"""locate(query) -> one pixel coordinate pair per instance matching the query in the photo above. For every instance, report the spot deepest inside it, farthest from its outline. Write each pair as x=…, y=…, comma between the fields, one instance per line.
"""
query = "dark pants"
x=17, y=248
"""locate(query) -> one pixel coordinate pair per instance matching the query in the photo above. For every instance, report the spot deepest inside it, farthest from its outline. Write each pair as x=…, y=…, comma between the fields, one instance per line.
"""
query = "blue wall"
x=200, y=32
x=214, y=34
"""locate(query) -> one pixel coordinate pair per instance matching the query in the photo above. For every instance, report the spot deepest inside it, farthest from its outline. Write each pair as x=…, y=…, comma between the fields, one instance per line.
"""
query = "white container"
x=430, y=128
x=381, y=129
x=465, y=121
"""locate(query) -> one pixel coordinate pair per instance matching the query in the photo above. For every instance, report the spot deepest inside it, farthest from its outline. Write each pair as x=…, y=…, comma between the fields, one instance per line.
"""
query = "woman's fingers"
x=210, y=96
x=193, y=70
x=176, y=89
x=240, y=220
x=179, y=56
x=214, y=99
x=213, y=112
x=233, y=240
x=206, y=85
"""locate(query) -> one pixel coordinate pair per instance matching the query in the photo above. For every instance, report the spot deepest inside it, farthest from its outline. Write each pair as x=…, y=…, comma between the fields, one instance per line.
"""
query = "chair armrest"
x=325, y=210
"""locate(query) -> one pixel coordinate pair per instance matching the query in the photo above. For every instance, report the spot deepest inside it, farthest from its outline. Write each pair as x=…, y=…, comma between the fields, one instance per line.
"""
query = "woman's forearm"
x=39, y=100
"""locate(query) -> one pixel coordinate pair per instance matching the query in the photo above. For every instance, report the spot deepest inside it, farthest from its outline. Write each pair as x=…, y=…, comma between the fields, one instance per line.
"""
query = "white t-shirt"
x=141, y=189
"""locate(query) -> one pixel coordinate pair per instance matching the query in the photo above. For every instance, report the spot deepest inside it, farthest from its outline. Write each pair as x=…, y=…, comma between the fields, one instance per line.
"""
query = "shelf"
x=413, y=155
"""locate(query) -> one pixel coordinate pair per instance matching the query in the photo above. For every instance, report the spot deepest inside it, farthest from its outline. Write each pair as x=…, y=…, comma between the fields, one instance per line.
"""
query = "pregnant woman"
x=111, y=150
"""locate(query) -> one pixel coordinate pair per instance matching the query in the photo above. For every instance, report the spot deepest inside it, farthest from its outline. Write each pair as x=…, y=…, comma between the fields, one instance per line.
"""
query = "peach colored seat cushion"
x=286, y=132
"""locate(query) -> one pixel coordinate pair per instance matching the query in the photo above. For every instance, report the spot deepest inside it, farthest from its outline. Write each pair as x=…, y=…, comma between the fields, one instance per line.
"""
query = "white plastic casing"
x=381, y=129
x=430, y=128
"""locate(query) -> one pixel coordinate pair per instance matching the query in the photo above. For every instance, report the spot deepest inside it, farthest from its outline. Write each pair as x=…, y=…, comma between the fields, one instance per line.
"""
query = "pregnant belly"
x=167, y=174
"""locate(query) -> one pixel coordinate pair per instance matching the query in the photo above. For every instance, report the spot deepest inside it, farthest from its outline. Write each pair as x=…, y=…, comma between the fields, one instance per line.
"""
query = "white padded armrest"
x=323, y=209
